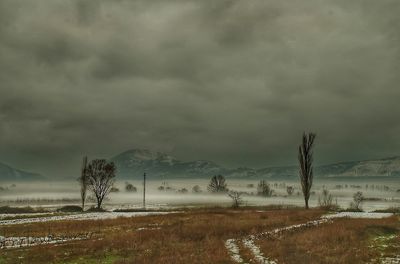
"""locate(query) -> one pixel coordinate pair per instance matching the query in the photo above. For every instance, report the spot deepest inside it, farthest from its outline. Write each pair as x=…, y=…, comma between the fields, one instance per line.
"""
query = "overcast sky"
x=236, y=82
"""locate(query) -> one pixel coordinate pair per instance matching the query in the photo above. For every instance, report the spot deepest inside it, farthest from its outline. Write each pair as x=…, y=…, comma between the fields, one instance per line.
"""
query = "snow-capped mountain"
x=133, y=163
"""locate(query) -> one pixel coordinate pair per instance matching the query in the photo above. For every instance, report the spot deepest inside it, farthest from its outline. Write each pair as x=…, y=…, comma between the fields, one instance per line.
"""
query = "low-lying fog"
x=380, y=193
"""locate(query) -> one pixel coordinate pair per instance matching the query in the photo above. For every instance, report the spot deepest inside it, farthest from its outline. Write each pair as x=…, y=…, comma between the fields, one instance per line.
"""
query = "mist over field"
x=57, y=194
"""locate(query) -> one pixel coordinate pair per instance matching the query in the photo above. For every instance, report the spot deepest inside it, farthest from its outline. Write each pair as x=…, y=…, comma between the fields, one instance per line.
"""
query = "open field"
x=200, y=235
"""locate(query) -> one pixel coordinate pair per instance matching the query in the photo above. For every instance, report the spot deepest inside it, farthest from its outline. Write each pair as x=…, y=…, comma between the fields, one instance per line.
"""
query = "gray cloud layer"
x=232, y=81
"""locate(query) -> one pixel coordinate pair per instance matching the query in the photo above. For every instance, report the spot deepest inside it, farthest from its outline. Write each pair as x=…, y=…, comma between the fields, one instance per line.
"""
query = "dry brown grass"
x=196, y=236
x=343, y=241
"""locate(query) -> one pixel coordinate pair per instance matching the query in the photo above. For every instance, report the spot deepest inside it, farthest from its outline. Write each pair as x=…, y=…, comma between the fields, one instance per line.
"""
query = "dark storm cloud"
x=232, y=81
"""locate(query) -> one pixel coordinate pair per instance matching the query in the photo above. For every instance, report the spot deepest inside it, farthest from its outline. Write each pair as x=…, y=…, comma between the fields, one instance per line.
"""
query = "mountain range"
x=133, y=163
x=8, y=173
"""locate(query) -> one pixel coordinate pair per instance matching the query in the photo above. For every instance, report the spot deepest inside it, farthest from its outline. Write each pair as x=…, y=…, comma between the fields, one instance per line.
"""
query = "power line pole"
x=144, y=190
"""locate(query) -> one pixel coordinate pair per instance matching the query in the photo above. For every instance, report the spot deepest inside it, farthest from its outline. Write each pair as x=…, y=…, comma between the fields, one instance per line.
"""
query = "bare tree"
x=236, y=198
x=326, y=199
x=289, y=190
x=83, y=182
x=101, y=176
x=305, y=161
x=217, y=184
x=358, y=198
x=264, y=189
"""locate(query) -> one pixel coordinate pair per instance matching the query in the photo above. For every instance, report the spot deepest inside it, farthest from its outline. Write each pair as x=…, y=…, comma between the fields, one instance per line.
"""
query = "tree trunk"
x=306, y=201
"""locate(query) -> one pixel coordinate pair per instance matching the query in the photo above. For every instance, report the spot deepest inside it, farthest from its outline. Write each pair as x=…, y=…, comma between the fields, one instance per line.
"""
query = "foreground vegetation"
x=198, y=236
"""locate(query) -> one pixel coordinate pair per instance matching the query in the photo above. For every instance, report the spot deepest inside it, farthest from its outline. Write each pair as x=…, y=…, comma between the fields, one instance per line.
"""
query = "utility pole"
x=144, y=190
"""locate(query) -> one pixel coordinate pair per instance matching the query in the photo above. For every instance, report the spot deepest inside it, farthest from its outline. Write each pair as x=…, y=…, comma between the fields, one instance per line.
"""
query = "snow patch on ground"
x=258, y=255
x=148, y=228
x=82, y=216
x=18, y=242
x=233, y=250
x=358, y=215
x=391, y=260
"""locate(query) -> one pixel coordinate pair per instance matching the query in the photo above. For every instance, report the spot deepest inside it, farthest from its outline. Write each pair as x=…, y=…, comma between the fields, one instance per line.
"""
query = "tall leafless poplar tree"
x=83, y=182
x=100, y=175
x=305, y=162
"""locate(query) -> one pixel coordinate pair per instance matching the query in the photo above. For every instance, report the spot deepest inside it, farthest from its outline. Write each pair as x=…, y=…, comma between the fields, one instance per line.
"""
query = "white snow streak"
x=82, y=216
x=18, y=242
x=391, y=260
x=258, y=255
x=358, y=215
x=233, y=250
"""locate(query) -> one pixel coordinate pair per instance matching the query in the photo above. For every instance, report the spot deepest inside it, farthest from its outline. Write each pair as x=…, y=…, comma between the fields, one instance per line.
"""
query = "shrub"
x=289, y=190
x=264, y=189
x=130, y=188
x=326, y=199
x=183, y=190
x=236, y=198
x=114, y=189
x=196, y=189
x=358, y=197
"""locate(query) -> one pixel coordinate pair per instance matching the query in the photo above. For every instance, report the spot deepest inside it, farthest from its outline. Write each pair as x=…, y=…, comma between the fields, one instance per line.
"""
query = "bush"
x=326, y=199
x=236, y=198
x=70, y=209
x=289, y=190
x=130, y=188
x=358, y=197
x=114, y=189
x=264, y=189
x=183, y=190
x=196, y=189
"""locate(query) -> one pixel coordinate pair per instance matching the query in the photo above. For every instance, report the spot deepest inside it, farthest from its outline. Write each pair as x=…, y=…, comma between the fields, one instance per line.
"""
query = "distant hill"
x=386, y=167
x=8, y=173
x=133, y=163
